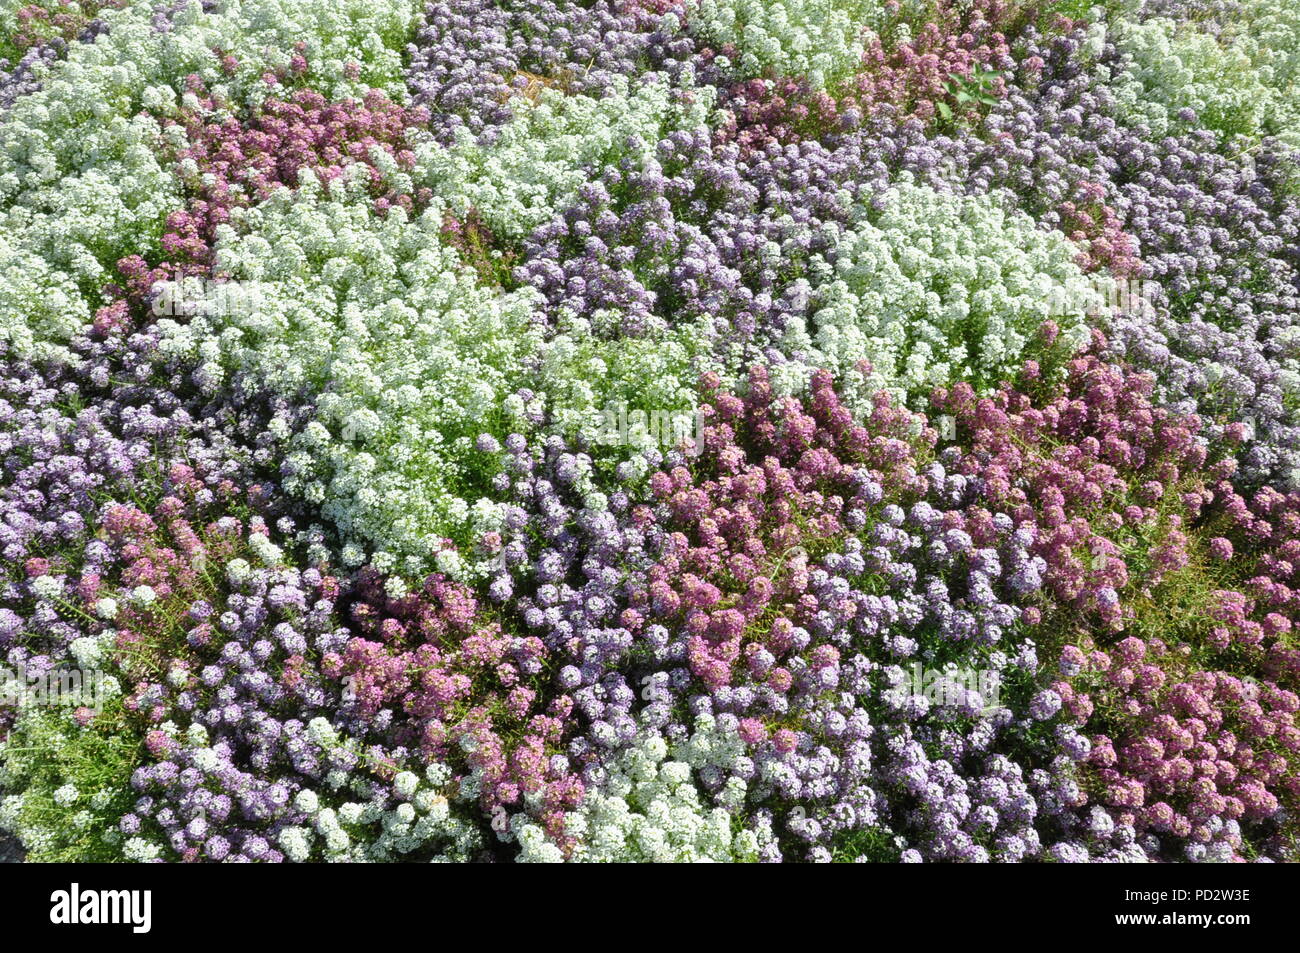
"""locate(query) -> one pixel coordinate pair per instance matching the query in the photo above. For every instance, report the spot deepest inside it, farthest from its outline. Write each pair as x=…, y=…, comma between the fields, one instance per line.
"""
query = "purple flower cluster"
x=472, y=58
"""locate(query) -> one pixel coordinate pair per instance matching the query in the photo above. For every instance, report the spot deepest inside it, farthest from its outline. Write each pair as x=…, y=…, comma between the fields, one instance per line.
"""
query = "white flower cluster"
x=374, y=828
x=820, y=39
x=938, y=288
x=141, y=851
x=409, y=359
x=647, y=810
x=45, y=758
x=93, y=651
x=585, y=372
x=536, y=163
x=82, y=181
x=1270, y=35
x=1246, y=83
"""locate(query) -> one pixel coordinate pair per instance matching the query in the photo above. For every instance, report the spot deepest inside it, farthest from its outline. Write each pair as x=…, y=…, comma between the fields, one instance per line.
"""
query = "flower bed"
x=649, y=430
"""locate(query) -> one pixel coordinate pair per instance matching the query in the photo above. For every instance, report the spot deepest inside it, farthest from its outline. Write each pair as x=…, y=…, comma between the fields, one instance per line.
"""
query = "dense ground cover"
x=650, y=430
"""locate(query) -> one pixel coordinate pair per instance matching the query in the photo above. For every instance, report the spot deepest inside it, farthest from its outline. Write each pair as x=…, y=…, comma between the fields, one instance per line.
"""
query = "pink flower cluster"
x=1094, y=466
x=465, y=692
x=733, y=564
x=1185, y=749
x=1099, y=232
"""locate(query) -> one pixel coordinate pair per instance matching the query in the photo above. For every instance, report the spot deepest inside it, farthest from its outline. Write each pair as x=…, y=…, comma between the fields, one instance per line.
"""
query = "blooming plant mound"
x=650, y=430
